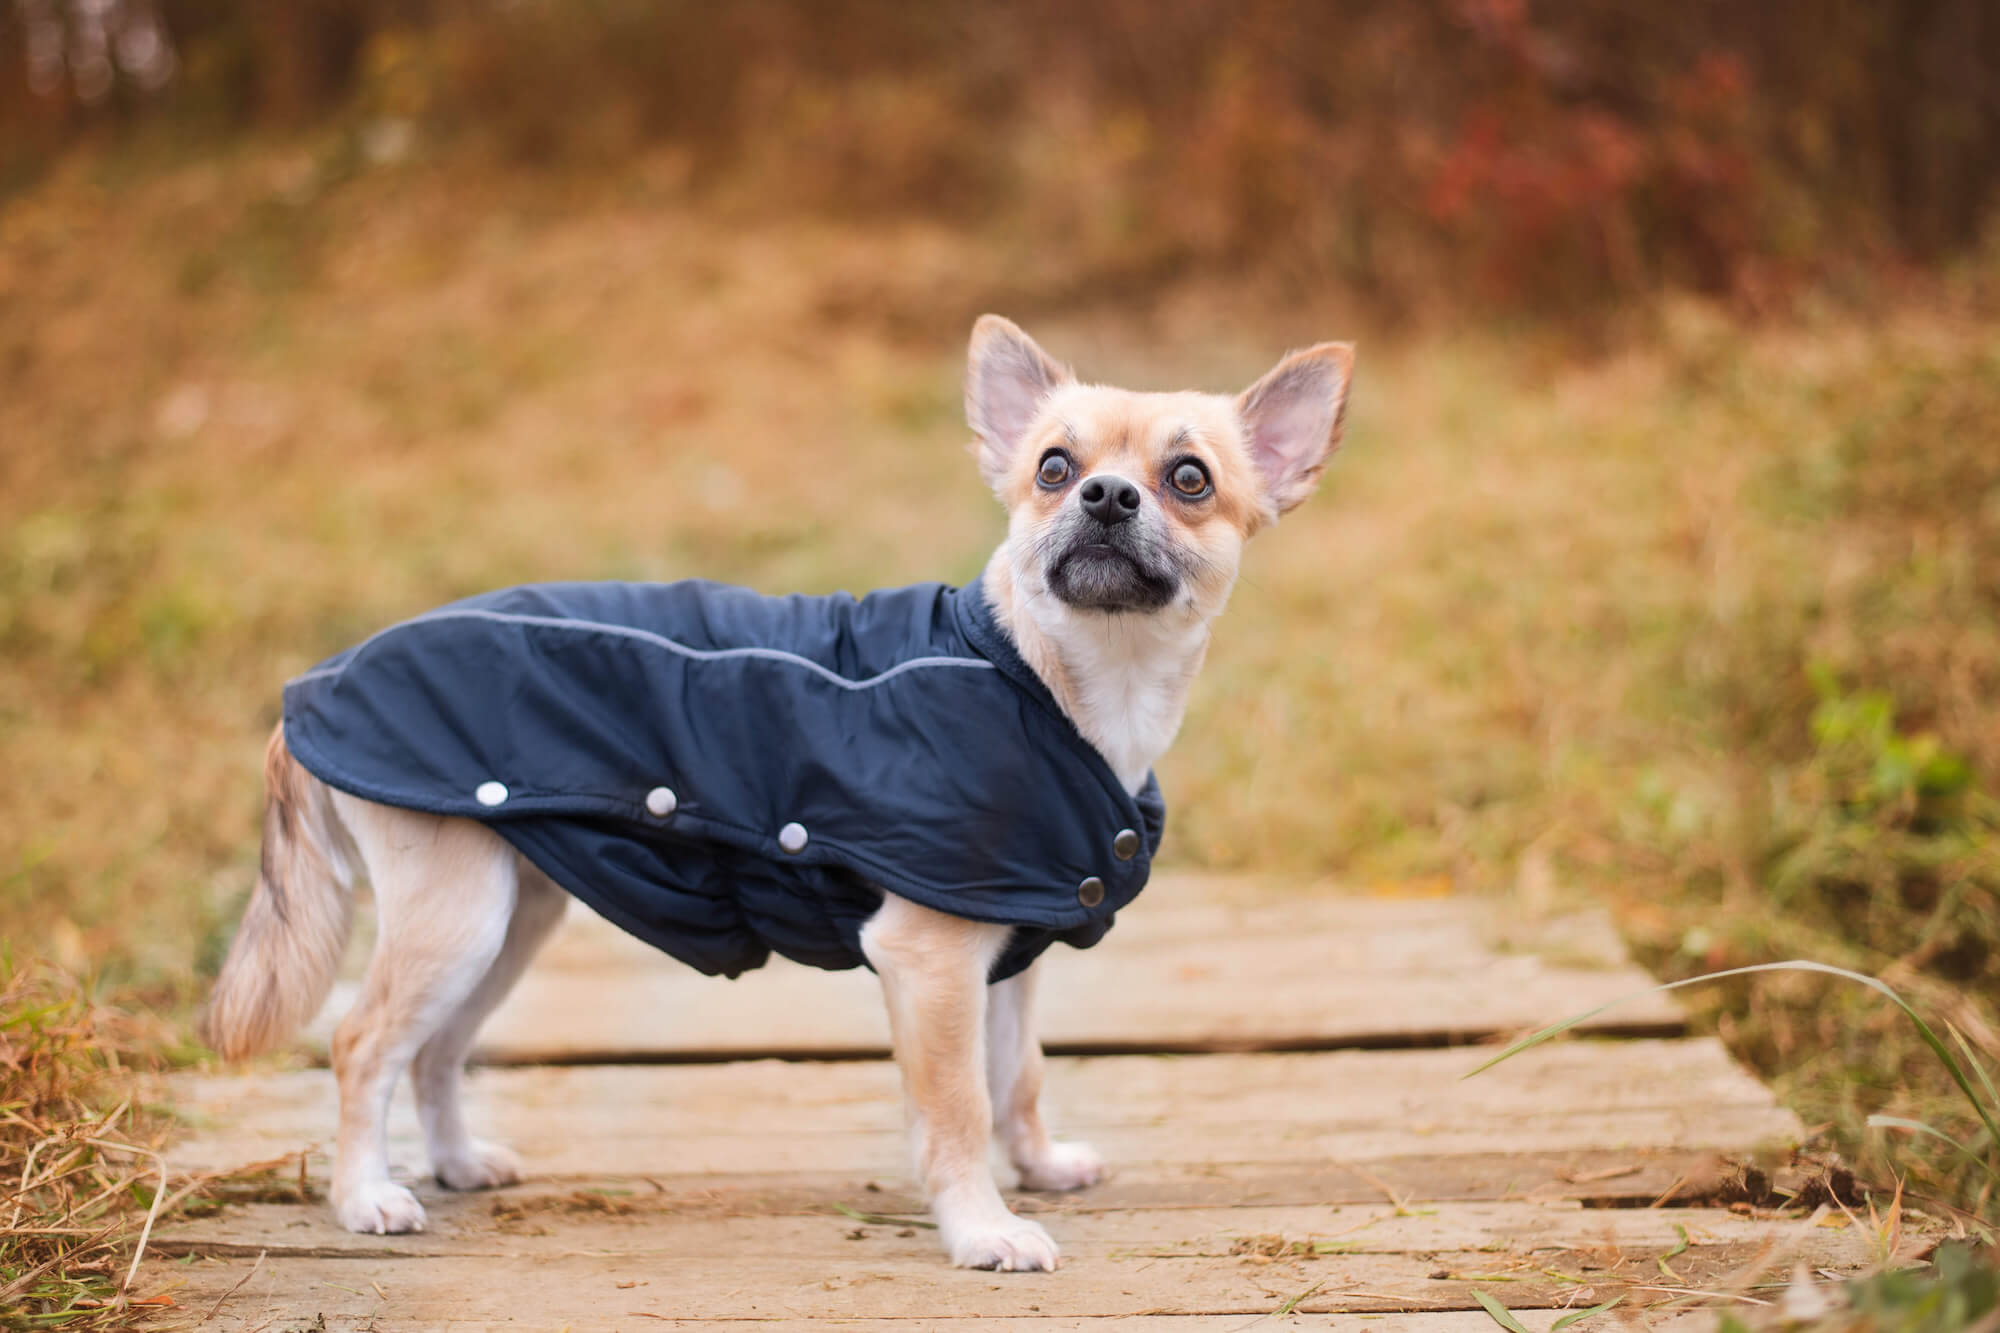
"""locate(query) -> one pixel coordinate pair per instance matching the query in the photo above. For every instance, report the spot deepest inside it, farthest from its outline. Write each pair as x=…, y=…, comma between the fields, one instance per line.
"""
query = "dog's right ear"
x=1292, y=420
x=1006, y=378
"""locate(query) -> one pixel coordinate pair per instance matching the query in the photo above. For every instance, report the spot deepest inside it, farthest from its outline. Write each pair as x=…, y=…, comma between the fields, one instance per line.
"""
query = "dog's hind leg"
x=460, y=1161
x=1014, y=1078
x=933, y=969
x=444, y=897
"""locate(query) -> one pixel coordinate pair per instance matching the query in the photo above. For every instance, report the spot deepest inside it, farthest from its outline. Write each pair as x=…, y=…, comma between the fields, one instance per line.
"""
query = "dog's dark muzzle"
x=1103, y=570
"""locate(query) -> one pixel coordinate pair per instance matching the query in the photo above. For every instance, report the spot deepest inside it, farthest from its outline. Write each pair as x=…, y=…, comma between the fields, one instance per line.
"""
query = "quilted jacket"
x=726, y=775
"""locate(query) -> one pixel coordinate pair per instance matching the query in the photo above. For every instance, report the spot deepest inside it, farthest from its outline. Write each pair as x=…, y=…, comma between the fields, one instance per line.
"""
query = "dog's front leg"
x=1014, y=1074
x=933, y=969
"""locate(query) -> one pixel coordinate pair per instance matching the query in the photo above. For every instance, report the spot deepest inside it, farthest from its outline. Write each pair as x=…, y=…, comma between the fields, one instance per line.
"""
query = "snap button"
x=792, y=839
x=660, y=802
x=1091, y=892
x=1126, y=845
x=490, y=793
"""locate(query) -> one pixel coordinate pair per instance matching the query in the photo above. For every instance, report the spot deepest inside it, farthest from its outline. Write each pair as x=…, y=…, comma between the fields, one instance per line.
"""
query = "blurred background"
x=1662, y=568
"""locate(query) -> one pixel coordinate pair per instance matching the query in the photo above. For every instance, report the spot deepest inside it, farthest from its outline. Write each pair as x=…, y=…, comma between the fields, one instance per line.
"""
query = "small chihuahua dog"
x=952, y=768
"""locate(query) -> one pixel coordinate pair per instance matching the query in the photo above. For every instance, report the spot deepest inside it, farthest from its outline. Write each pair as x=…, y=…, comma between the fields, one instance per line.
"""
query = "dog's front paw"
x=482, y=1166
x=381, y=1208
x=1065, y=1166
x=1010, y=1245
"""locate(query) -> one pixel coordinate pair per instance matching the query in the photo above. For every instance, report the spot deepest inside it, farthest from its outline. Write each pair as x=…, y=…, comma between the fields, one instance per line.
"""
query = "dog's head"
x=1135, y=503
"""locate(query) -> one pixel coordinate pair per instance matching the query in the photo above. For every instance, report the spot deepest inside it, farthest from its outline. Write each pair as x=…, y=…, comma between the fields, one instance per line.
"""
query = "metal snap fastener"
x=661, y=802
x=1091, y=892
x=490, y=793
x=792, y=839
x=1126, y=845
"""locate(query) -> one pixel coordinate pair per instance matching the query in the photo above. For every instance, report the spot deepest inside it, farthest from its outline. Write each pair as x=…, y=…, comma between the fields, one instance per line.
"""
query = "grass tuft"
x=78, y=1152
x=1956, y=1288
x=80, y=1156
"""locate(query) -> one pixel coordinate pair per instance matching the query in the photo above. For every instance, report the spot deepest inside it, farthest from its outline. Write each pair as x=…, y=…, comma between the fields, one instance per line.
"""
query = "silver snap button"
x=661, y=801
x=1126, y=845
x=490, y=793
x=792, y=839
x=1091, y=892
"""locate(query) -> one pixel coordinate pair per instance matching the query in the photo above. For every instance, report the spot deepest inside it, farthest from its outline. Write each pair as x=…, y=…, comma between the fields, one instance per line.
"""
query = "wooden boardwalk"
x=1276, y=1081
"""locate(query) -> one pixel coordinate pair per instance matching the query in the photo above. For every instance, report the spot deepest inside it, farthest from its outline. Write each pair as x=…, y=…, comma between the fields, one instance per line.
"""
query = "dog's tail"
x=282, y=962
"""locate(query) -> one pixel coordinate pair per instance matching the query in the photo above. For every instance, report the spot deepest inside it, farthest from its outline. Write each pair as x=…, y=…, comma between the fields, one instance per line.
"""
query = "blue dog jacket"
x=725, y=775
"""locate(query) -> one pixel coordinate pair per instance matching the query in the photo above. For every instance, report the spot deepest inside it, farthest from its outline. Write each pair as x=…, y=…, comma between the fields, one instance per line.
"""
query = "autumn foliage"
x=1518, y=155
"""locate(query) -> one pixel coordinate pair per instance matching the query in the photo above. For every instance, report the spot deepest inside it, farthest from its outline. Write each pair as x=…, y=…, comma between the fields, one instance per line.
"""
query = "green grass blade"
x=883, y=1219
x=1293, y=1303
x=1675, y=1253
x=1501, y=1314
x=1578, y=1316
x=1919, y=1127
x=1978, y=1067
x=1931, y=1038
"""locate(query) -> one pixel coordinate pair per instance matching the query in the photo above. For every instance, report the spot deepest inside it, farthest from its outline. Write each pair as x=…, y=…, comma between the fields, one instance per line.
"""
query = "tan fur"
x=1124, y=680
x=461, y=913
x=1014, y=1082
x=282, y=961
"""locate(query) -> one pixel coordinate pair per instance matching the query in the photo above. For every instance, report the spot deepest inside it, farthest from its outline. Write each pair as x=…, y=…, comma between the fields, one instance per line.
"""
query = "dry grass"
x=81, y=1156
x=1550, y=629
x=78, y=1153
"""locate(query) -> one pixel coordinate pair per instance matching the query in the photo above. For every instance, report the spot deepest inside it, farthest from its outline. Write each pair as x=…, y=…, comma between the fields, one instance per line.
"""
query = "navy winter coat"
x=725, y=774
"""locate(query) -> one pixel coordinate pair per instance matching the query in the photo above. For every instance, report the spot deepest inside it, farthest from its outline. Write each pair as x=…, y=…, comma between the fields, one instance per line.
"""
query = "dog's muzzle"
x=1111, y=566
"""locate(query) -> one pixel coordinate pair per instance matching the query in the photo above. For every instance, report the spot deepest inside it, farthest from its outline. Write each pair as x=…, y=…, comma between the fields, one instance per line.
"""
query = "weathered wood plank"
x=896, y=1277
x=765, y=1117
x=627, y=1219
x=251, y=1309
x=1187, y=969
x=1598, y=1179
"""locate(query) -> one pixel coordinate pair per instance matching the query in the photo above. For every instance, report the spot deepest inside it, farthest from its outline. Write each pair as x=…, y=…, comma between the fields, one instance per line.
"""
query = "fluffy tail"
x=282, y=962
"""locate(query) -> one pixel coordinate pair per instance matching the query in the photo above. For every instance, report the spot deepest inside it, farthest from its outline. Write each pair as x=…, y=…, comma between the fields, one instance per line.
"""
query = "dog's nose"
x=1109, y=499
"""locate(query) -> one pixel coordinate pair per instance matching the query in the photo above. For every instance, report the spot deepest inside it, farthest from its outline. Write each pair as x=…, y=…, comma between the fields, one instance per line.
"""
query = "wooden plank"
x=627, y=1219
x=1192, y=967
x=1596, y=1179
x=889, y=1276
x=261, y=1302
x=767, y=1116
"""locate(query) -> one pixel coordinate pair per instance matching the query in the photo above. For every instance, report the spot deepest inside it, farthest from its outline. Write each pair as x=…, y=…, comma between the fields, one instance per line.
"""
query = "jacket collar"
x=983, y=631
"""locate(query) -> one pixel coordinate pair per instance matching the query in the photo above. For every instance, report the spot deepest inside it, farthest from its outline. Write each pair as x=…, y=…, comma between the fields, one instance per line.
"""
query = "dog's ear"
x=1006, y=378
x=1292, y=420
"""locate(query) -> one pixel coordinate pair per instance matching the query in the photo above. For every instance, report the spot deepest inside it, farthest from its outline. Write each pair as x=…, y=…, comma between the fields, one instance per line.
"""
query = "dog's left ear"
x=1006, y=378
x=1292, y=420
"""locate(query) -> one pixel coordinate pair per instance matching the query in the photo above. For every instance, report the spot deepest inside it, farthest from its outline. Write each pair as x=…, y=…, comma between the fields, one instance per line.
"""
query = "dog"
x=936, y=782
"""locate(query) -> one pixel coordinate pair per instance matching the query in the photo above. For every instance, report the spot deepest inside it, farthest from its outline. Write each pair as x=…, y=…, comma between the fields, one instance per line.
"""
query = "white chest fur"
x=1126, y=678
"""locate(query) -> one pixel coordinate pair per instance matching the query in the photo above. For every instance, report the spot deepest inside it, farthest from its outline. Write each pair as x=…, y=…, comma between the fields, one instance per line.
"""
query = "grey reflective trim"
x=659, y=641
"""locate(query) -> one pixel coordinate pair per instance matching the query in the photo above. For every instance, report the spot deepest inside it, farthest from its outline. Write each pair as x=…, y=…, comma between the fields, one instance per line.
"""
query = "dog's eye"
x=1055, y=469
x=1190, y=478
